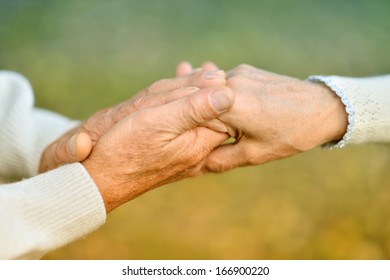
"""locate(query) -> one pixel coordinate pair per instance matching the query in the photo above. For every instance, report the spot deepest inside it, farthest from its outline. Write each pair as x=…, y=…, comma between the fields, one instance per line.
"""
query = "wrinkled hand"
x=185, y=68
x=76, y=145
x=274, y=117
x=157, y=145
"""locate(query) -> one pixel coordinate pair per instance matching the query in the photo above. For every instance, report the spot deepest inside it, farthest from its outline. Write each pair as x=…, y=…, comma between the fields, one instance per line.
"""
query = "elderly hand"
x=76, y=145
x=157, y=145
x=274, y=117
x=185, y=68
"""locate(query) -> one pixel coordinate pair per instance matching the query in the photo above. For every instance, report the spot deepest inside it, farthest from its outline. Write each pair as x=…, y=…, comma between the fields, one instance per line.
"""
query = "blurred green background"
x=81, y=56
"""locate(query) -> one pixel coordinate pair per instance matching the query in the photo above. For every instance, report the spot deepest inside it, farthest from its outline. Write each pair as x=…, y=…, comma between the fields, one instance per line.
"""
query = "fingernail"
x=215, y=74
x=72, y=145
x=220, y=100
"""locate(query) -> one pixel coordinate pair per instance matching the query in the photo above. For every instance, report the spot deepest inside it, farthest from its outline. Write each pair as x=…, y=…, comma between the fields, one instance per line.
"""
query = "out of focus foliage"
x=83, y=55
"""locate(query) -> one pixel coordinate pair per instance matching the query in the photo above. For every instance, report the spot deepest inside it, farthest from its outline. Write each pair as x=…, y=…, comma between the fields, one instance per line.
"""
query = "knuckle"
x=236, y=81
x=194, y=152
x=203, y=152
x=157, y=86
x=59, y=151
x=243, y=67
x=96, y=118
x=195, y=158
x=196, y=114
x=136, y=104
x=121, y=111
x=118, y=114
x=216, y=167
x=251, y=160
x=195, y=77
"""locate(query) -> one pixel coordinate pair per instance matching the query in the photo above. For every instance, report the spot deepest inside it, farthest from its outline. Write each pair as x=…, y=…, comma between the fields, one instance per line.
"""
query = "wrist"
x=102, y=183
x=115, y=188
x=328, y=119
x=338, y=122
x=348, y=109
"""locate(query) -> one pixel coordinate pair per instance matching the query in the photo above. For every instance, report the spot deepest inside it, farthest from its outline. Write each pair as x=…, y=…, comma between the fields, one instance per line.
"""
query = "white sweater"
x=49, y=210
x=52, y=209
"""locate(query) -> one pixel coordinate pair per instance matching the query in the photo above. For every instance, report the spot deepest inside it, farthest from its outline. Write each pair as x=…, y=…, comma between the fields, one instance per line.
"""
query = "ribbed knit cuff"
x=367, y=102
x=348, y=108
x=48, y=211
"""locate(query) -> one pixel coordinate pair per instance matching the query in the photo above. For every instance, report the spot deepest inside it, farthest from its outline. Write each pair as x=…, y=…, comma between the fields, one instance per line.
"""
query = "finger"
x=209, y=66
x=194, y=110
x=220, y=126
x=207, y=140
x=72, y=147
x=200, y=79
x=225, y=157
x=183, y=68
x=83, y=147
x=150, y=100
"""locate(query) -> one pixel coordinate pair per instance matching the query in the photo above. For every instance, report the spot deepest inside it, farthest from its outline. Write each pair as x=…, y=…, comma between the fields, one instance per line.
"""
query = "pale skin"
x=274, y=117
x=157, y=145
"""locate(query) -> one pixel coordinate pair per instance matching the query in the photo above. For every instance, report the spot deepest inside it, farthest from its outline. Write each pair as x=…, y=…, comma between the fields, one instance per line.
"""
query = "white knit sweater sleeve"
x=49, y=210
x=367, y=102
x=24, y=131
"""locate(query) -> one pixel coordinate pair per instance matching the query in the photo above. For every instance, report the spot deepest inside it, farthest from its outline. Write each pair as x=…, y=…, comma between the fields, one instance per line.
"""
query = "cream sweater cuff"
x=367, y=102
x=48, y=211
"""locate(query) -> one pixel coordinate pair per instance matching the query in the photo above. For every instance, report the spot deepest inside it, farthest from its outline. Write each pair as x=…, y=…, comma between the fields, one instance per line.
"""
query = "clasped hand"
x=176, y=129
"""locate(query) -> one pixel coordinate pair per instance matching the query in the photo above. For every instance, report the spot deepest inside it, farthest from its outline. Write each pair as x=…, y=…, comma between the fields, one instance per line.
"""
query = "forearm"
x=48, y=211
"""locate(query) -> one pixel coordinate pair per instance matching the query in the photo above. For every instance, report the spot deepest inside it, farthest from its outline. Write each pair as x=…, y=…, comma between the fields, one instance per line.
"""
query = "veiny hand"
x=76, y=145
x=157, y=145
x=274, y=117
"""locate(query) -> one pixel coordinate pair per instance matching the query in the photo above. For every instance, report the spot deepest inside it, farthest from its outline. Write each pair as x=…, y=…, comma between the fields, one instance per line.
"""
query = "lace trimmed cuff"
x=348, y=107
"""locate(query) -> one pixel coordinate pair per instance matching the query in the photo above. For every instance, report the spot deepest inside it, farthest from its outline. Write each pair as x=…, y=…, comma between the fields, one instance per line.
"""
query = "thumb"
x=199, y=108
x=226, y=157
x=78, y=148
x=70, y=148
